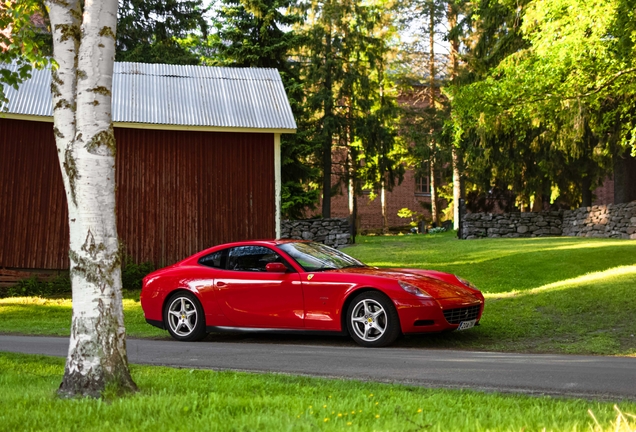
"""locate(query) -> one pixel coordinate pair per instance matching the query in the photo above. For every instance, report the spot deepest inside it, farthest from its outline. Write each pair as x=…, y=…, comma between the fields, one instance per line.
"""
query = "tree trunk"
x=431, y=101
x=457, y=186
x=353, y=209
x=586, y=192
x=624, y=178
x=456, y=157
x=352, y=171
x=385, y=220
x=433, y=183
x=327, y=130
x=86, y=147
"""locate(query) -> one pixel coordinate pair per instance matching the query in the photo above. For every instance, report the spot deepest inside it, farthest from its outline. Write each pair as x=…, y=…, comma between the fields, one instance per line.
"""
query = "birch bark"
x=84, y=48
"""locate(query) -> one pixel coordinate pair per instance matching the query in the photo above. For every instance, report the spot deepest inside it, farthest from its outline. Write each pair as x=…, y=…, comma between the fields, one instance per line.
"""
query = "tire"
x=184, y=317
x=372, y=320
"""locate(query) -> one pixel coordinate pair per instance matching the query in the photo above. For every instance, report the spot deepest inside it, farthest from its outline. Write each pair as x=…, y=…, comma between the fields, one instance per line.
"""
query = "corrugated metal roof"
x=252, y=98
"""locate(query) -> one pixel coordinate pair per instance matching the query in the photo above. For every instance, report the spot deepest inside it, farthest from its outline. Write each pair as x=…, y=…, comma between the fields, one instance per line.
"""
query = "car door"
x=249, y=296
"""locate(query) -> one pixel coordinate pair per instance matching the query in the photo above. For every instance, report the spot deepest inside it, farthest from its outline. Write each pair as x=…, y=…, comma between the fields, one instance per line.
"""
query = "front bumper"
x=427, y=315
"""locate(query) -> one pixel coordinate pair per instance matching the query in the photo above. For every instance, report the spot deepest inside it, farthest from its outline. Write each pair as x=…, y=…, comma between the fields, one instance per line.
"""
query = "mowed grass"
x=560, y=295
x=557, y=295
x=42, y=316
x=181, y=399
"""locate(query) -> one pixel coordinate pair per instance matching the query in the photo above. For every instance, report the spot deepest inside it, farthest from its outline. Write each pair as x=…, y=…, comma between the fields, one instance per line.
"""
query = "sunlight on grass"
x=621, y=424
x=37, y=315
x=222, y=401
x=492, y=254
x=569, y=283
x=16, y=302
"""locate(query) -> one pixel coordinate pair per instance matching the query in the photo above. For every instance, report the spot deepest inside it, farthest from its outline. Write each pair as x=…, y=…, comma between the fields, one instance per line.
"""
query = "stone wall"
x=332, y=232
x=515, y=224
x=612, y=220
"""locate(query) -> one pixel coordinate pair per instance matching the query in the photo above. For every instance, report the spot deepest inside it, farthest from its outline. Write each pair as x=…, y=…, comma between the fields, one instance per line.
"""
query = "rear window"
x=215, y=260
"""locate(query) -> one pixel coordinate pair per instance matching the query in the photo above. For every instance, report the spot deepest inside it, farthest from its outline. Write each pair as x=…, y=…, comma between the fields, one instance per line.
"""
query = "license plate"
x=465, y=325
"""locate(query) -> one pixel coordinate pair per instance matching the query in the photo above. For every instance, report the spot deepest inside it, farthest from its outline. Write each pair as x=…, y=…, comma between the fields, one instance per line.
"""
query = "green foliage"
x=132, y=274
x=160, y=31
x=351, y=95
x=27, y=44
x=220, y=401
x=36, y=287
x=437, y=230
x=415, y=217
x=255, y=33
x=549, y=109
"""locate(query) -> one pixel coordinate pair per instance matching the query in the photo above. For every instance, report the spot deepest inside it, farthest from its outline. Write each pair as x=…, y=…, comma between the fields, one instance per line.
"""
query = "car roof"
x=251, y=243
x=211, y=249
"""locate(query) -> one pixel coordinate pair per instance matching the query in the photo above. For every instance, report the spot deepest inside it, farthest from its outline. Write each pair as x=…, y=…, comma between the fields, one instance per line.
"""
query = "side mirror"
x=276, y=267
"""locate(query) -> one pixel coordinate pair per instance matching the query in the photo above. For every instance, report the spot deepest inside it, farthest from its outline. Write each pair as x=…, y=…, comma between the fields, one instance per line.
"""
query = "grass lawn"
x=180, y=399
x=558, y=294
x=42, y=316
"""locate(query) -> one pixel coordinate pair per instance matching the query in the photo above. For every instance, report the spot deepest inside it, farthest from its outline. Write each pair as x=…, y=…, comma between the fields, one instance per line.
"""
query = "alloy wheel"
x=182, y=316
x=369, y=320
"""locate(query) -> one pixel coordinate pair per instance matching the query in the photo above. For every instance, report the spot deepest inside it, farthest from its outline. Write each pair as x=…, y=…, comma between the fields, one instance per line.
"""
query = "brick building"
x=411, y=193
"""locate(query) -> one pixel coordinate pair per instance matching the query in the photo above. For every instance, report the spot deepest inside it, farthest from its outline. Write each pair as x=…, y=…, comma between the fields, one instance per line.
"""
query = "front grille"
x=455, y=316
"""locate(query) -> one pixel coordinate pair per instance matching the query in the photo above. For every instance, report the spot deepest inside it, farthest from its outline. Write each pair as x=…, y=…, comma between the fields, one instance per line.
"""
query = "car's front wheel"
x=372, y=320
x=184, y=318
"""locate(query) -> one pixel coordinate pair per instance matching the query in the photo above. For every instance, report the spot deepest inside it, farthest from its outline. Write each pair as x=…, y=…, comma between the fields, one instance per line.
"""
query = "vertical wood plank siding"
x=177, y=193
x=33, y=221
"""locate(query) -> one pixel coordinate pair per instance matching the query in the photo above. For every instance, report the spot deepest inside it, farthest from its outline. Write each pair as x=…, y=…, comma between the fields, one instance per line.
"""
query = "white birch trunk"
x=86, y=146
x=457, y=187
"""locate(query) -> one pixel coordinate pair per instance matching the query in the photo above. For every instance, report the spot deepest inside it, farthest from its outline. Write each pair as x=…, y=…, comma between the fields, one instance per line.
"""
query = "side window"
x=216, y=259
x=251, y=258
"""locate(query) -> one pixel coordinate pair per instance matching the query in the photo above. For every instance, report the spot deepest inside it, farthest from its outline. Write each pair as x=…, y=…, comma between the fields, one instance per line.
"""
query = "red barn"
x=198, y=163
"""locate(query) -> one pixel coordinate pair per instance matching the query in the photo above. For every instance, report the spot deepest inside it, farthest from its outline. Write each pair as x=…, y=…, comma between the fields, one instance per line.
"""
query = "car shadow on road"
x=433, y=341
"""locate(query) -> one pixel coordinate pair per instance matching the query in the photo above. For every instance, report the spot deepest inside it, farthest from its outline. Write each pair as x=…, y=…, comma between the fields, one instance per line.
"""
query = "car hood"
x=434, y=283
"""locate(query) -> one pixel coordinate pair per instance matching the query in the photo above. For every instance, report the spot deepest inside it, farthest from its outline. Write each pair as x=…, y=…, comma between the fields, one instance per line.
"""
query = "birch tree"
x=84, y=49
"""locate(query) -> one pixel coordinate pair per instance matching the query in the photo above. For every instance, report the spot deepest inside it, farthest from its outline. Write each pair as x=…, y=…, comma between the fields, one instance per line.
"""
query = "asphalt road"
x=612, y=378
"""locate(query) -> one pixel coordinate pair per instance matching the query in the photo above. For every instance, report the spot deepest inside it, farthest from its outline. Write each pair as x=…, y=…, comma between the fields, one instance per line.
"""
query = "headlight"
x=465, y=282
x=412, y=289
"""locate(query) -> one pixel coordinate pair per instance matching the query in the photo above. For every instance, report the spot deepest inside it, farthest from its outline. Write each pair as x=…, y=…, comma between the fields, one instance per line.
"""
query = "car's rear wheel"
x=372, y=320
x=184, y=317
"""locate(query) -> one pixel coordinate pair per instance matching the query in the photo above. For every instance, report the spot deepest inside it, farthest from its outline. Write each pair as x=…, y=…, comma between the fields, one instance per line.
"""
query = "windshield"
x=317, y=257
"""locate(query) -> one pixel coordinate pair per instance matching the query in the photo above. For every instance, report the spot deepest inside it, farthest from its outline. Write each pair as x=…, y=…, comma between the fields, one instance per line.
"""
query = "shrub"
x=437, y=230
x=33, y=286
x=132, y=274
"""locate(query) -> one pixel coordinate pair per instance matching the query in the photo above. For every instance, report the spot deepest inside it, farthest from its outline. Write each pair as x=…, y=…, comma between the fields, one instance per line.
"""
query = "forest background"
x=523, y=104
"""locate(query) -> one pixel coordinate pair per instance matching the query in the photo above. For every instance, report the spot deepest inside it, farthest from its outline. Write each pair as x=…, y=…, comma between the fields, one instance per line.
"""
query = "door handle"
x=220, y=284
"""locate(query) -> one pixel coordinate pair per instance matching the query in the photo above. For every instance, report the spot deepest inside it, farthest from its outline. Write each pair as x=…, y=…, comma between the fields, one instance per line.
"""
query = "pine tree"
x=156, y=31
x=345, y=74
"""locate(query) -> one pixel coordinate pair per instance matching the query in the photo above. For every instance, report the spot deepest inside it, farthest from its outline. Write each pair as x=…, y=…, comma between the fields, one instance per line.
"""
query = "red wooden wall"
x=177, y=193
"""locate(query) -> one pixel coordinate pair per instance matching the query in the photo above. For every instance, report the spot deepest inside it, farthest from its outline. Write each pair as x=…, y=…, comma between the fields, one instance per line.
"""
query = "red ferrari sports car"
x=299, y=286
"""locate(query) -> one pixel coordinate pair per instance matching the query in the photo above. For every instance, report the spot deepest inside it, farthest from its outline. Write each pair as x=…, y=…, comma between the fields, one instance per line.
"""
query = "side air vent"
x=421, y=323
